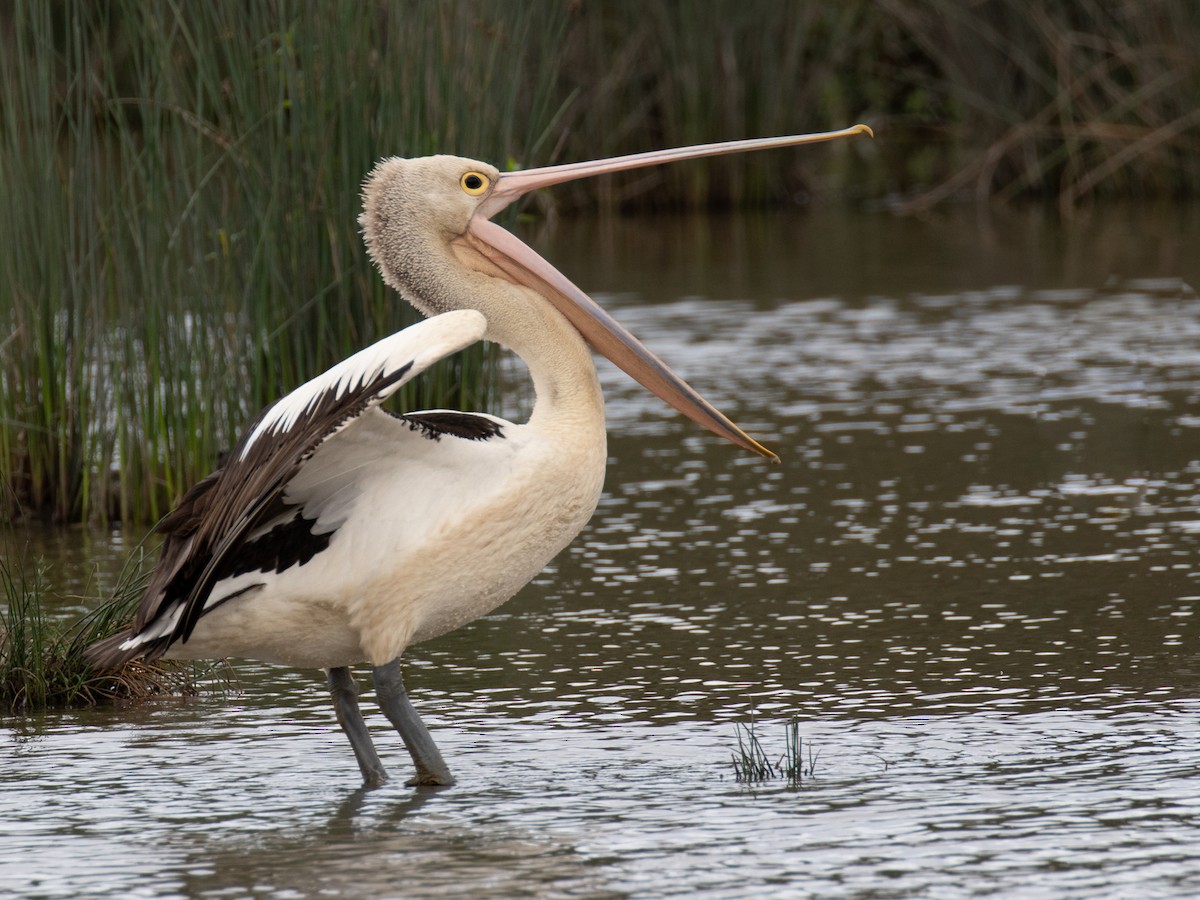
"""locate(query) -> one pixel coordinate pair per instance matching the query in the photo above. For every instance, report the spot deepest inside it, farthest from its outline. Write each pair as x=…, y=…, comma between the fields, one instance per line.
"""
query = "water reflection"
x=972, y=578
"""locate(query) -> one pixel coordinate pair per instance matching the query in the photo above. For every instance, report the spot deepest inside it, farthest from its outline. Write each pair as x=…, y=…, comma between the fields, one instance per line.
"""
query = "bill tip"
x=769, y=455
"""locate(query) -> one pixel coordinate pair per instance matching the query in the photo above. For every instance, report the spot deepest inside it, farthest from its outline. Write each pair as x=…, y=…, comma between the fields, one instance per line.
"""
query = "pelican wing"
x=245, y=497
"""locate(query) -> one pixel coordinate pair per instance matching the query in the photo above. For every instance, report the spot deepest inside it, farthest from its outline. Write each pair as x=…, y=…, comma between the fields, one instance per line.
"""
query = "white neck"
x=568, y=403
x=568, y=397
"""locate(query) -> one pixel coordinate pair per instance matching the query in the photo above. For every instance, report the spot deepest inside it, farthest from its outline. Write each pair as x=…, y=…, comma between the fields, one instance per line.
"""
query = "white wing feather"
x=260, y=472
x=419, y=346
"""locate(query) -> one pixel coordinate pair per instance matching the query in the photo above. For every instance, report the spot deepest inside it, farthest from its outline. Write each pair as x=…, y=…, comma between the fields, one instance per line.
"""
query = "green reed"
x=178, y=223
x=752, y=764
x=179, y=181
x=41, y=655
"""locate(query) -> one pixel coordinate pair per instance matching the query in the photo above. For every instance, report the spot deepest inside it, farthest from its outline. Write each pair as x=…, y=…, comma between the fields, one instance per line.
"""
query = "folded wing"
x=241, y=509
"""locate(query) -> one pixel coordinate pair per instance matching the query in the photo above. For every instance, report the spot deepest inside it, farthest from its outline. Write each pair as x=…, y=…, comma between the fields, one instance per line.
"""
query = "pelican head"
x=435, y=212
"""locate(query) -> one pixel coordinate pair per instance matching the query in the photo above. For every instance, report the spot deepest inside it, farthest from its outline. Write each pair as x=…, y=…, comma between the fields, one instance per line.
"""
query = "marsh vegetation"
x=41, y=652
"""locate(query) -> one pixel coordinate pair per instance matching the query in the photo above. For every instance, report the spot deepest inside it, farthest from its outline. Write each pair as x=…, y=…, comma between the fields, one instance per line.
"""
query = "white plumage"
x=412, y=350
x=388, y=478
x=338, y=533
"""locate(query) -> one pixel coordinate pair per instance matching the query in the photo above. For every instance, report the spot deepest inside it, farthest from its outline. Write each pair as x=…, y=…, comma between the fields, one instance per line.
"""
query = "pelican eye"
x=474, y=183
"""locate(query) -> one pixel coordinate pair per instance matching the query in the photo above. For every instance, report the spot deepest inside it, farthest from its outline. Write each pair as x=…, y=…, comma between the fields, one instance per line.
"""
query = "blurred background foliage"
x=178, y=181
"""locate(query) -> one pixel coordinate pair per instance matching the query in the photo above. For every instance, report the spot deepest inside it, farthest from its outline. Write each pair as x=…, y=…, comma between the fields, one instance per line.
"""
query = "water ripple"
x=972, y=582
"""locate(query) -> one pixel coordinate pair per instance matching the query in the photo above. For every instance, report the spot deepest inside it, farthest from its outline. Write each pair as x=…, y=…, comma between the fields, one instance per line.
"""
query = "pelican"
x=338, y=533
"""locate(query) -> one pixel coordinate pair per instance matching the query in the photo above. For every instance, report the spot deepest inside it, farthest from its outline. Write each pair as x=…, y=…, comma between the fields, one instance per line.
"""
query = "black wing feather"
x=255, y=483
x=207, y=537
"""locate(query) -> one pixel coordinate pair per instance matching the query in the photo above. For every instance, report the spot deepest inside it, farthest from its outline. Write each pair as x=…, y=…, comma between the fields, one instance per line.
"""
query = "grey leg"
x=345, y=704
x=393, y=700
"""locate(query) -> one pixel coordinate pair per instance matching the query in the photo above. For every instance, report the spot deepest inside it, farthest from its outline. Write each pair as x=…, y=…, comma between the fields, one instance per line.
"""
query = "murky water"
x=973, y=579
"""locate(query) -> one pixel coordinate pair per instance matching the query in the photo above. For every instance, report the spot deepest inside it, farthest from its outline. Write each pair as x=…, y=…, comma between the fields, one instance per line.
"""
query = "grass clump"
x=41, y=656
x=752, y=764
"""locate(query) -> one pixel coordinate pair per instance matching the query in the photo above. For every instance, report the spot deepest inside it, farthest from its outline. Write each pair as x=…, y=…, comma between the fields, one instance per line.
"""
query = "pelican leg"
x=345, y=704
x=393, y=700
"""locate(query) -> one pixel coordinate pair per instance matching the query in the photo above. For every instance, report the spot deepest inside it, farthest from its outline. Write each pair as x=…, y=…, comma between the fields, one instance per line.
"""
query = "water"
x=973, y=580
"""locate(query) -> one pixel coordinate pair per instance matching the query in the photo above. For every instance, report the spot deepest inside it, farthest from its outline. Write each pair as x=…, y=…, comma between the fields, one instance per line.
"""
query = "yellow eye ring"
x=474, y=183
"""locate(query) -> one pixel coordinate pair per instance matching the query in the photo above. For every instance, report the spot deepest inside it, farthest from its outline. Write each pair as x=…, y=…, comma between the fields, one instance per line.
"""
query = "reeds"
x=178, y=181
x=41, y=656
x=752, y=764
x=178, y=219
x=1070, y=99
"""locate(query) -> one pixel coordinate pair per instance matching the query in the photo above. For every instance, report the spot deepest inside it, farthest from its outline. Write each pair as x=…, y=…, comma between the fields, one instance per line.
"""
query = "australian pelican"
x=336, y=532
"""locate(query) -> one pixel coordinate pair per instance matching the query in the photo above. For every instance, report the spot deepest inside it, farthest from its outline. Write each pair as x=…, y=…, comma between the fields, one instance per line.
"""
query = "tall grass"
x=1064, y=99
x=661, y=75
x=178, y=181
x=1068, y=98
x=178, y=229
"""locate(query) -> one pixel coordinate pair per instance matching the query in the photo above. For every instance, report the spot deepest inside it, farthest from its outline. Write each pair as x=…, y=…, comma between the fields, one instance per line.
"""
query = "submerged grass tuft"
x=41, y=657
x=752, y=764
